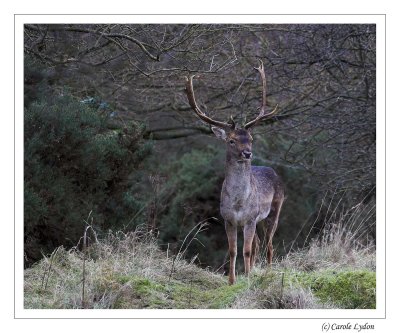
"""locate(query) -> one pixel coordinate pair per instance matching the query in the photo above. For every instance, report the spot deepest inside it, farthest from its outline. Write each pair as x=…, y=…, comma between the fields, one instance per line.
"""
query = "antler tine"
x=232, y=122
x=262, y=115
x=197, y=110
x=260, y=69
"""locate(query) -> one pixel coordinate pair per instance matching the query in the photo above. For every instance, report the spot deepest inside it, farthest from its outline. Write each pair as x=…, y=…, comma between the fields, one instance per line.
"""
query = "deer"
x=249, y=194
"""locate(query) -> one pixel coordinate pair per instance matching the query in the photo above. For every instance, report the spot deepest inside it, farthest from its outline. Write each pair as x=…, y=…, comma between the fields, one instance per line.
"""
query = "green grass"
x=130, y=272
x=347, y=289
x=326, y=288
x=139, y=292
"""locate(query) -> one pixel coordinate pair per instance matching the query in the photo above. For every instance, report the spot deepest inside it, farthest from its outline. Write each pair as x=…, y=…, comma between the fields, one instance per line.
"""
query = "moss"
x=264, y=280
x=196, y=296
x=186, y=296
x=141, y=293
x=110, y=283
x=340, y=289
x=226, y=295
x=110, y=289
x=348, y=289
x=144, y=293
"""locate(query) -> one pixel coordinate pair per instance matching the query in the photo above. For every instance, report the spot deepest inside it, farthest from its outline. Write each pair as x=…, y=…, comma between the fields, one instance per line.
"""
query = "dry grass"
x=339, y=245
x=276, y=289
x=336, y=270
x=112, y=267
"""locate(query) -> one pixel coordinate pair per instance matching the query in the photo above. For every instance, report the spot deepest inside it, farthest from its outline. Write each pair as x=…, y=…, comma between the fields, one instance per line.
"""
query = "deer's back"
x=269, y=184
x=267, y=179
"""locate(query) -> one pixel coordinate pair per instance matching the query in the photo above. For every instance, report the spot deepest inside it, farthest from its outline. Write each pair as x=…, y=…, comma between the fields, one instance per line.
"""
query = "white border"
x=379, y=20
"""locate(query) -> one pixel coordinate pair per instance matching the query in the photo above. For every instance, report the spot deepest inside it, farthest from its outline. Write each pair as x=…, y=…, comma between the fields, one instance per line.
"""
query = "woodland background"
x=111, y=142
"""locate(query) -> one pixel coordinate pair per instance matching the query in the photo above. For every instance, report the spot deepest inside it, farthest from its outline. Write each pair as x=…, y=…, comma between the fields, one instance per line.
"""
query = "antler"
x=262, y=115
x=201, y=114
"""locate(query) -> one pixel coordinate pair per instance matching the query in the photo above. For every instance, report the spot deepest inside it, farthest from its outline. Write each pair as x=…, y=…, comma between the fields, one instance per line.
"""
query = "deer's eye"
x=232, y=142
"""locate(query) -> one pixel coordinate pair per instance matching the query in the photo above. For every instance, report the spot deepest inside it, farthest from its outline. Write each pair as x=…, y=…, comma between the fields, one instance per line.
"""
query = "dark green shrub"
x=193, y=191
x=74, y=164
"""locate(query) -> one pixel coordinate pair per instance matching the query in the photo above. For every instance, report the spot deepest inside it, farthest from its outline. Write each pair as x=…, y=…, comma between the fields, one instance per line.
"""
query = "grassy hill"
x=127, y=271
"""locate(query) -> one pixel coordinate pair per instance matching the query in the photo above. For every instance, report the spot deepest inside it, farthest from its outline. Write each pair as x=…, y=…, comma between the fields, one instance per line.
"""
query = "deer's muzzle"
x=246, y=154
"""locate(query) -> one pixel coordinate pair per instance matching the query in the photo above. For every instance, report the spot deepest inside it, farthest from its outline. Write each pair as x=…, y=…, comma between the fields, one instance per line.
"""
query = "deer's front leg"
x=248, y=234
x=231, y=232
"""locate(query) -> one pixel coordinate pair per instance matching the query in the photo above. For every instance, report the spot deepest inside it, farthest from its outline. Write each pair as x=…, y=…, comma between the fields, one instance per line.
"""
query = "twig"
x=281, y=296
x=84, y=267
x=84, y=250
x=47, y=273
x=200, y=227
x=190, y=289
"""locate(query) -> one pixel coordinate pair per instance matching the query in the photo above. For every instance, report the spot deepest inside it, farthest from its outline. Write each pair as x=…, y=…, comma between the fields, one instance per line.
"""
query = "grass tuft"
x=129, y=271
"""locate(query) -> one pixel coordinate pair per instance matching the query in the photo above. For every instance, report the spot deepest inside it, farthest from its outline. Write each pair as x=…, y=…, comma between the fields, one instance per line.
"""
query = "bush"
x=193, y=191
x=74, y=164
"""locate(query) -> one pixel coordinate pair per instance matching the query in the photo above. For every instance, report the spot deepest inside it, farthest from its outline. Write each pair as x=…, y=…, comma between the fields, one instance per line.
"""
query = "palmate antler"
x=231, y=126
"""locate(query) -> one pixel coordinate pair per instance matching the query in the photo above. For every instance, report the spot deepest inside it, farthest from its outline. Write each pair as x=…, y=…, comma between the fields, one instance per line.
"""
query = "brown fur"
x=250, y=194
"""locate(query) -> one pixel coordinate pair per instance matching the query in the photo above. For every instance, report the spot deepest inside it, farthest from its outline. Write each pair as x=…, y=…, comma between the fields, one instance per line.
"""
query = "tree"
x=322, y=77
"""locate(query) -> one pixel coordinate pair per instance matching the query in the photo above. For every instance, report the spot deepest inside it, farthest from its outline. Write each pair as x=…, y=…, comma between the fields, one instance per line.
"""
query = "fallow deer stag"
x=250, y=194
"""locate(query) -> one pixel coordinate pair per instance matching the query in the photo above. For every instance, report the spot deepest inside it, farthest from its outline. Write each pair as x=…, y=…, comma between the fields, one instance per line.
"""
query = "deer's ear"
x=219, y=133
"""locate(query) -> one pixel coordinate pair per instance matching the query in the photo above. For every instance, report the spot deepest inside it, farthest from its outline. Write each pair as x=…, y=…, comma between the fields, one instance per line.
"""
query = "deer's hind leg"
x=270, y=225
x=255, y=249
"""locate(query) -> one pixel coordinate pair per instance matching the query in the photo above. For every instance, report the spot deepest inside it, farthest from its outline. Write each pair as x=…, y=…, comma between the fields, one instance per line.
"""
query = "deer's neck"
x=237, y=177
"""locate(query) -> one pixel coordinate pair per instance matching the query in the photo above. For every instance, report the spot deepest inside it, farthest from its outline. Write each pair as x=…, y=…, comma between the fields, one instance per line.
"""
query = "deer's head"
x=238, y=142
x=238, y=139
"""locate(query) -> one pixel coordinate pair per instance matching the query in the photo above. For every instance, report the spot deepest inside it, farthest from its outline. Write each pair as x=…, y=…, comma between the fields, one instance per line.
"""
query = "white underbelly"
x=263, y=215
x=241, y=217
